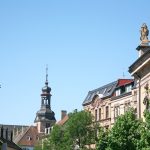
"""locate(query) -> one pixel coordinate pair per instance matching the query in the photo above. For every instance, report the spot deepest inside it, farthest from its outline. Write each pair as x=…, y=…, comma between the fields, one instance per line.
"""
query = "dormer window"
x=29, y=138
x=118, y=92
x=128, y=88
x=109, y=90
x=104, y=91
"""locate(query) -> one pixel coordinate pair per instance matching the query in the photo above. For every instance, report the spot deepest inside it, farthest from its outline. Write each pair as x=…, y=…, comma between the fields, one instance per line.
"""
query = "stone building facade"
x=140, y=70
x=132, y=93
x=122, y=100
x=109, y=101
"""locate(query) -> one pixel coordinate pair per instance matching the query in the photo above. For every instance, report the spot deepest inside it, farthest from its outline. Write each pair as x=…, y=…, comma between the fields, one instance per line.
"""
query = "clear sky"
x=86, y=44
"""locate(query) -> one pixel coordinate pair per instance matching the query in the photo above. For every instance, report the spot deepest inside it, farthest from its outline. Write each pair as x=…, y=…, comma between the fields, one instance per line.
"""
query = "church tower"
x=45, y=117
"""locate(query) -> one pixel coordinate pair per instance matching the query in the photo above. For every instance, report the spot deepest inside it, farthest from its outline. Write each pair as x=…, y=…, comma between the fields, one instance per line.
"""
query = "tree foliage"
x=78, y=130
x=128, y=133
x=124, y=134
x=81, y=128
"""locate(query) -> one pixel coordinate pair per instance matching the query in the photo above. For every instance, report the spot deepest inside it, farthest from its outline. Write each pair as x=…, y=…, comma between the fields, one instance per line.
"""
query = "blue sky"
x=86, y=44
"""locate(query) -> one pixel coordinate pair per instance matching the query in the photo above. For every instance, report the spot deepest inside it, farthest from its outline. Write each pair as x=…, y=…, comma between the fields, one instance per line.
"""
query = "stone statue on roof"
x=144, y=33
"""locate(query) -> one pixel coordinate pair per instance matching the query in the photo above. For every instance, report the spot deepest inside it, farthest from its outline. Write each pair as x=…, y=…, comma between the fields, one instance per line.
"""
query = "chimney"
x=63, y=114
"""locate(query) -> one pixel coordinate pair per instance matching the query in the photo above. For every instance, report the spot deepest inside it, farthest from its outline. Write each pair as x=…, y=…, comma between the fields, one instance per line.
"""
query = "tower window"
x=47, y=125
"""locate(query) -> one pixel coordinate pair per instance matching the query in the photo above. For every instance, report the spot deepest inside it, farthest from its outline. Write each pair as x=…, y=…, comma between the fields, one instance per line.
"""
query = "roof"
x=10, y=144
x=124, y=82
x=104, y=91
x=29, y=138
x=63, y=121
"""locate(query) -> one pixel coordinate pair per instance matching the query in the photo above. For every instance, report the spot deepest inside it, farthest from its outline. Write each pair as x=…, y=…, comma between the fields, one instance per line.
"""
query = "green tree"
x=102, y=143
x=78, y=130
x=81, y=128
x=124, y=135
x=145, y=132
x=58, y=139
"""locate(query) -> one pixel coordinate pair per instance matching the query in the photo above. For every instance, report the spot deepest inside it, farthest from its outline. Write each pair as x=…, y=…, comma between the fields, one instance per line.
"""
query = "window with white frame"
x=118, y=92
x=128, y=88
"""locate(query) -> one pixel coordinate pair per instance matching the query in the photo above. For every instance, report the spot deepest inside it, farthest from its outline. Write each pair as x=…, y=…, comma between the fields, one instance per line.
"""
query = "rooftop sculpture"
x=144, y=33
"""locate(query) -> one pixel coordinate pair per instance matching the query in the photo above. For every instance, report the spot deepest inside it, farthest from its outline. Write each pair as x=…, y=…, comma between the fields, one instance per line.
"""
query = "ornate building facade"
x=140, y=70
x=108, y=102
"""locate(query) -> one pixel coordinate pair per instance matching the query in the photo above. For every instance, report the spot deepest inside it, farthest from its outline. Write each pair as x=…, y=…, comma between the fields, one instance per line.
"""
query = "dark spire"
x=46, y=82
x=45, y=115
x=46, y=88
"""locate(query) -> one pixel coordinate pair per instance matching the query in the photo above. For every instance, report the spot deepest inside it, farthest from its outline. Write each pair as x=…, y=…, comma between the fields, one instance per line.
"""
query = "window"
x=106, y=128
x=128, y=88
x=47, y=125
x=96, y=115
x=116, y=111
x=118, y=92
x=37, y=137
x=29, y=138
x=100, y=113
x=126, y=106
x=107, y=112
x=108, y=91
x=46, y=130
x=104, y=91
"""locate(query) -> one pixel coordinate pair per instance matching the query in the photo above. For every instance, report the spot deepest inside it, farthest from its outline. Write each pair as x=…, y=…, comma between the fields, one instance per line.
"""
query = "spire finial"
x=46, y=75
x=46, y=72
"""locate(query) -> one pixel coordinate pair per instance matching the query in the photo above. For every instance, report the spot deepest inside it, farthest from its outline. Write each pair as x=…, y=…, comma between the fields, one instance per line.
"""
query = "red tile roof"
x=30, y=137
x=63, y=121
